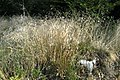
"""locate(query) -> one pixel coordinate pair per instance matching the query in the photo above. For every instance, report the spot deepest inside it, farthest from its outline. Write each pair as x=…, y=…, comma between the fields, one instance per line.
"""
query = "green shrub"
x=94, y=8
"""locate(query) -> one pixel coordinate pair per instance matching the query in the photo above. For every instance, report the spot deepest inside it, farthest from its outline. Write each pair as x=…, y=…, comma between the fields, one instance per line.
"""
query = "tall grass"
x=49, y=49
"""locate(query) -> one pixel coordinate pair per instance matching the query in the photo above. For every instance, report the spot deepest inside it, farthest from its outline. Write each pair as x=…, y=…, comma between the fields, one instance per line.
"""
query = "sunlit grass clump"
x=49, y=48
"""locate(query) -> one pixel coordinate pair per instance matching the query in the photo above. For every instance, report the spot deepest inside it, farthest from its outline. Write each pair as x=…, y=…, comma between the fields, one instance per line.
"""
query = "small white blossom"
x=88, y=64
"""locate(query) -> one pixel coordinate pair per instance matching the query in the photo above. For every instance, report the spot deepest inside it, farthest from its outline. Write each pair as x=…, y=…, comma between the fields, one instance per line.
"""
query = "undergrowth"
x=49, y=49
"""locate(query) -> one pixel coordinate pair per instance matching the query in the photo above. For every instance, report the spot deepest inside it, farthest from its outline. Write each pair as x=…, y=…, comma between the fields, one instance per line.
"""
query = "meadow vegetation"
x=49, y=48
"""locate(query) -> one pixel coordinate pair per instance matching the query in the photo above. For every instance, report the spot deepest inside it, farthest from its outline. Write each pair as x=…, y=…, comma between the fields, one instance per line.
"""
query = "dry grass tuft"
x=58, y=43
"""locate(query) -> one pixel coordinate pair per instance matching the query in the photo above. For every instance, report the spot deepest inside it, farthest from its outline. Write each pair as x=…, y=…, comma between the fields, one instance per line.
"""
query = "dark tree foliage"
x=95, y=8
x=44, y=7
